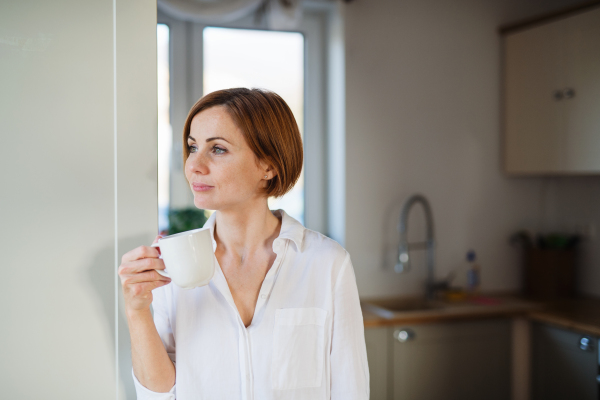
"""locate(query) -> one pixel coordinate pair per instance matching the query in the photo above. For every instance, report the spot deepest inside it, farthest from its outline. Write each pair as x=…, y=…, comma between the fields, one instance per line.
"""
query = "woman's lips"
x=201, y=187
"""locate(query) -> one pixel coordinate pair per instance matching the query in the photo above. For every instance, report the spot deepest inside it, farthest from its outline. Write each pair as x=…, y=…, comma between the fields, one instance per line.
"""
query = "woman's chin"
x=203, y=203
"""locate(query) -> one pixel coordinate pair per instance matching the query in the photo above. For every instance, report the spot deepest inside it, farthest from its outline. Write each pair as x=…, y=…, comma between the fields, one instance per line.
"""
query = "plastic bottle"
x=473, y=273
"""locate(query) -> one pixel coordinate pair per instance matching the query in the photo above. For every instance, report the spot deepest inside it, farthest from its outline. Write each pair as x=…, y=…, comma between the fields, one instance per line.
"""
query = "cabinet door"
x=583, y=76
x=561, y=370
x=460, y=360
x=377, y=340
x=533, y=118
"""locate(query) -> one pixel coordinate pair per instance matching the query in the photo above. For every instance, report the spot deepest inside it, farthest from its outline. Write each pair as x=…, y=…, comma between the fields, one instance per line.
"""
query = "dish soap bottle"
x=473, y=273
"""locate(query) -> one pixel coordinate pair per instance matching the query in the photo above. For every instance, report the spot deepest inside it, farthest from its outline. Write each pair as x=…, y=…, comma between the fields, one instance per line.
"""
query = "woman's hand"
x=139, y=277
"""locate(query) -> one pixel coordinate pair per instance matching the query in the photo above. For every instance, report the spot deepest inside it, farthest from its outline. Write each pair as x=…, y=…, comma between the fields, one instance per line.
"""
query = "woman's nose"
x=196, y=164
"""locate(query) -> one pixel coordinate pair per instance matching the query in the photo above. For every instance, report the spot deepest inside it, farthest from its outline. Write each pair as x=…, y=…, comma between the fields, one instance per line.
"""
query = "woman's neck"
x=246, y=230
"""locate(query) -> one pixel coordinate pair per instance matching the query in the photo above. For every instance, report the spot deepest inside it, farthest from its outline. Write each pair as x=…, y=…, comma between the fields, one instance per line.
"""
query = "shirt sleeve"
x=162, y=322
x=349, y=367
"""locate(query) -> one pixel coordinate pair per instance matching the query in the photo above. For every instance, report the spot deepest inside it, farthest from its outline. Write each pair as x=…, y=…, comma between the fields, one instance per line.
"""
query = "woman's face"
x=221, y=169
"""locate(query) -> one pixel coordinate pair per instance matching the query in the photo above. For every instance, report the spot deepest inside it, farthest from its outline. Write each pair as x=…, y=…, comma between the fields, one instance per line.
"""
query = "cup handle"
x=160, y=271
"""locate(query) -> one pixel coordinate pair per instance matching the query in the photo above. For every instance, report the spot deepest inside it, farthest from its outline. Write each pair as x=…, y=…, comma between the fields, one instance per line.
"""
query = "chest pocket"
x=298, y=348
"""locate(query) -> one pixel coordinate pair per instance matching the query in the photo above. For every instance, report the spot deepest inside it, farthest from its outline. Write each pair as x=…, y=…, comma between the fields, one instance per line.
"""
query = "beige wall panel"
x=137, y=140
x=58, y=192
x=57, y=200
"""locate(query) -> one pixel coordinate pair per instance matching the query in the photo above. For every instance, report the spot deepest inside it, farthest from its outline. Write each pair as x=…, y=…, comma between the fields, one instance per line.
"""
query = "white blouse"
x=306, y=339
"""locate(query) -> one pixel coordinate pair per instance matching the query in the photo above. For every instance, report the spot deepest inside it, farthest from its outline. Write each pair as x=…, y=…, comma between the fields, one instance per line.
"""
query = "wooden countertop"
x=581, y=315
x=482, y=307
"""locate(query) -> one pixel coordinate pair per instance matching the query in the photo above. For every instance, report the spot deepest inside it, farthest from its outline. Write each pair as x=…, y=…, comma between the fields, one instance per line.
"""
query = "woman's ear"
x=268, y=170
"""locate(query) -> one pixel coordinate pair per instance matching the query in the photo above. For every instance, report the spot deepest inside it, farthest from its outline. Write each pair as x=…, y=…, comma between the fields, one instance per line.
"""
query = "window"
x=165, y=133
x=199, y=64
x=262, y=59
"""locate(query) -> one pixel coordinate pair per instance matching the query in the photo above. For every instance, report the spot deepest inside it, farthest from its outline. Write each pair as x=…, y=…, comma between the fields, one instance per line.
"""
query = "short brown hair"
x=269, y=128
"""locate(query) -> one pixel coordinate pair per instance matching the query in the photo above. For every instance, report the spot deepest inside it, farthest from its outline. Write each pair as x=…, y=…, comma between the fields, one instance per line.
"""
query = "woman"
x=281, y=317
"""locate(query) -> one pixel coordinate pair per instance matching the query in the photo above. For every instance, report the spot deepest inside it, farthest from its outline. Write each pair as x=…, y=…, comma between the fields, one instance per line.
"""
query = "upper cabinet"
x=552, y=96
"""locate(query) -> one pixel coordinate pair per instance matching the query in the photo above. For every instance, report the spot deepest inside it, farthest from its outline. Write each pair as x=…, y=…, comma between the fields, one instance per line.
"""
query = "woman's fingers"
x=147, y=276
x=156, y=241
x=142, y=252
x=139, y=277
x=137, y=266
x=139, y=253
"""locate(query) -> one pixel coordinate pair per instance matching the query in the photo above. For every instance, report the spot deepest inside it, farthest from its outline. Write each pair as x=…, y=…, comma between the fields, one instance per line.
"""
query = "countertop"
x=581, y=314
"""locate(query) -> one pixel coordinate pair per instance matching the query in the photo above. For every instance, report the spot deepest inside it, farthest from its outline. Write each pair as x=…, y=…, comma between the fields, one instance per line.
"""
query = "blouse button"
x=263, y=296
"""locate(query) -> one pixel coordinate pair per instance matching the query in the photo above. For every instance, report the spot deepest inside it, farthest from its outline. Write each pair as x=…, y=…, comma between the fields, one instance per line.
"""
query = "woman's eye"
x=219, y=150
x=192, y=148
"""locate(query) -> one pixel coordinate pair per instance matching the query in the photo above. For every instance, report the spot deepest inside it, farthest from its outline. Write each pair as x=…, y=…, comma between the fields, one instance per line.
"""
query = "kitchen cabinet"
x=377, y=342
x=552, y=96
x=564, y=364
x=449, y=360
x=458, y=360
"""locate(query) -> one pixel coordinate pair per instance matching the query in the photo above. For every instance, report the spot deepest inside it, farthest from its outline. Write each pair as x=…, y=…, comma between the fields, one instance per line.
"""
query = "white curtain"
x=281, y=14
x=209, y=11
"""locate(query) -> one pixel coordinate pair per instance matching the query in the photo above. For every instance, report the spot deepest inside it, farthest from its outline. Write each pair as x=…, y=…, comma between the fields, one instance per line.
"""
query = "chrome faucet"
x=403, y=263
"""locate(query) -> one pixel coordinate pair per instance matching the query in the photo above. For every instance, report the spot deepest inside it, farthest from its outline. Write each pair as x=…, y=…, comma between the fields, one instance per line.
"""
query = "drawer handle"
x=558, y=95
x=569, y=93
x=404, y=335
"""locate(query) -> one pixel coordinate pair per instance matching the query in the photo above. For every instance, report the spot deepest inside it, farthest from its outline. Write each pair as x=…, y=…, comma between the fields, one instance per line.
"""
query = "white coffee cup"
x=188, y=257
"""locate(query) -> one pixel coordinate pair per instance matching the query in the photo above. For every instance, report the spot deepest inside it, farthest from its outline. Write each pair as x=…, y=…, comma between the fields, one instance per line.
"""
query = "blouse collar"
x=291, y=229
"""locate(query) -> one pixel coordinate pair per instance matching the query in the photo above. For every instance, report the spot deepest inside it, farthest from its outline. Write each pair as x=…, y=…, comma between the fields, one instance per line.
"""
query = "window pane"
x=165, y=134
x=260, y=59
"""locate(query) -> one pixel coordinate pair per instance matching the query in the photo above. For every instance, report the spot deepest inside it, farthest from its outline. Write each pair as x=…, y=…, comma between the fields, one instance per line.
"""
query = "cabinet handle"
x=404, y=335
x=558, y=95
x=586, y=343
x=569, y=93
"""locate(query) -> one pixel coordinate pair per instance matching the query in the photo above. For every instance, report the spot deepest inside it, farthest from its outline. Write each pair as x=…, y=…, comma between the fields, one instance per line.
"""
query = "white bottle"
x=473, y=273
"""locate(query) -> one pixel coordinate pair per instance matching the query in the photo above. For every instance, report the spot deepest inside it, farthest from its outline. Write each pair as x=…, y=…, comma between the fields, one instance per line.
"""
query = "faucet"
x=403, y=263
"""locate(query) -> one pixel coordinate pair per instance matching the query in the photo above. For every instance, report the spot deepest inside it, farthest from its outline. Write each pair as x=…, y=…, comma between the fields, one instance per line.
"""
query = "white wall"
x=59, y=206
x=423, y=115
x=573, y=205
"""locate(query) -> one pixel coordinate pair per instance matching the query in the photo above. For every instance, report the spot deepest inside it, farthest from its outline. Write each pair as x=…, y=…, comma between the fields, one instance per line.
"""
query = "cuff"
x=143, y=393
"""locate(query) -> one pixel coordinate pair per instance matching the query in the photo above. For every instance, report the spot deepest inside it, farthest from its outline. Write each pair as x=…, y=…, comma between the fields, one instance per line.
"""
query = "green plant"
x=186, y=219
x=555, y=241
